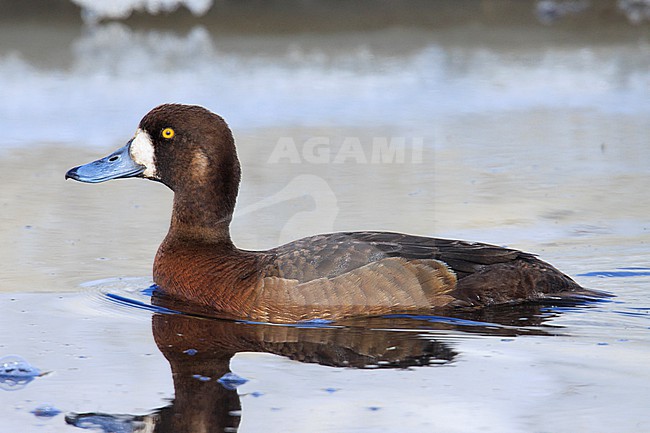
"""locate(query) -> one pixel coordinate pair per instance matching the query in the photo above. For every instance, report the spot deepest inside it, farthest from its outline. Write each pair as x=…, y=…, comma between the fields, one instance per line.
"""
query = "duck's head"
x=182, y=146
x=189, y=149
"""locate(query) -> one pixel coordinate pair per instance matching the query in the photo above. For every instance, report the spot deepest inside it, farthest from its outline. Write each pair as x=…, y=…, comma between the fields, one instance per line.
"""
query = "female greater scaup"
x=328, y=276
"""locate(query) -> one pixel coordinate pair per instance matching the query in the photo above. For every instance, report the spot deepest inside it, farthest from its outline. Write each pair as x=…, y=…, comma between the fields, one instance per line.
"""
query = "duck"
x=330, y=277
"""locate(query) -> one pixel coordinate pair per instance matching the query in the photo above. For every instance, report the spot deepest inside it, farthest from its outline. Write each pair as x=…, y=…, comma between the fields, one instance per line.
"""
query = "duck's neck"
x=204, y=214
x=196, y=219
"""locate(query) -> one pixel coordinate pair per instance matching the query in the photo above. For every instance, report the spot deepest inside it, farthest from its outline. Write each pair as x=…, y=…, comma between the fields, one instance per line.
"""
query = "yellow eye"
x=168, y=133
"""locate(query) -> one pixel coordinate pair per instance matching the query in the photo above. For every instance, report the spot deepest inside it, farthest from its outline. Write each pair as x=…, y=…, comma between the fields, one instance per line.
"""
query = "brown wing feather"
x=388, y=285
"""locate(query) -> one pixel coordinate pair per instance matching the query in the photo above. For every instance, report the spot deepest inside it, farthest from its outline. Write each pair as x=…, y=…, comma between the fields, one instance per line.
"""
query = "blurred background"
x=514, y=122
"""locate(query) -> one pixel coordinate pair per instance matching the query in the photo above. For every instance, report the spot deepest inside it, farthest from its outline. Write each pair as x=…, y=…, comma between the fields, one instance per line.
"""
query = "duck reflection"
x=199, y=351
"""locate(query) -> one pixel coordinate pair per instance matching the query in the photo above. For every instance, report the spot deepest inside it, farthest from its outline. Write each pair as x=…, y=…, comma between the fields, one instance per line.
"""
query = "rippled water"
x=508, y=127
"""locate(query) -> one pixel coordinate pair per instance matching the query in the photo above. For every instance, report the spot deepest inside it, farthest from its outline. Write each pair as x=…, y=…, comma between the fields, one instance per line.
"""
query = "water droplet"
x=16, y=373
x=46, y=411
x=231, y=381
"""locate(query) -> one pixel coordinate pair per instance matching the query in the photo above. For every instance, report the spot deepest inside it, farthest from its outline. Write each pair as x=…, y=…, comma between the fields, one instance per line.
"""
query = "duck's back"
x=330, y=255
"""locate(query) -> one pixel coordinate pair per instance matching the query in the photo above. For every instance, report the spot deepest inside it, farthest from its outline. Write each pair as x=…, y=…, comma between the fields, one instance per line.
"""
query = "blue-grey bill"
x=114, y=166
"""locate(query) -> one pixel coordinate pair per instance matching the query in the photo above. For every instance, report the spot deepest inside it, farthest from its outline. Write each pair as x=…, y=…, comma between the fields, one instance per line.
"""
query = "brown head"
x=192, y=151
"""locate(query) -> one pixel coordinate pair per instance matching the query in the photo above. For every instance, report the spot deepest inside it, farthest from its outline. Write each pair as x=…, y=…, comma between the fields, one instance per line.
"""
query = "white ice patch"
x=94, y=10
x=142, y=152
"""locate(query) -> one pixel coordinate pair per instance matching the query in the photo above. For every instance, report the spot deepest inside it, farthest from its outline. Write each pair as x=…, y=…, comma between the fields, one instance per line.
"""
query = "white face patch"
x=142, y=152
